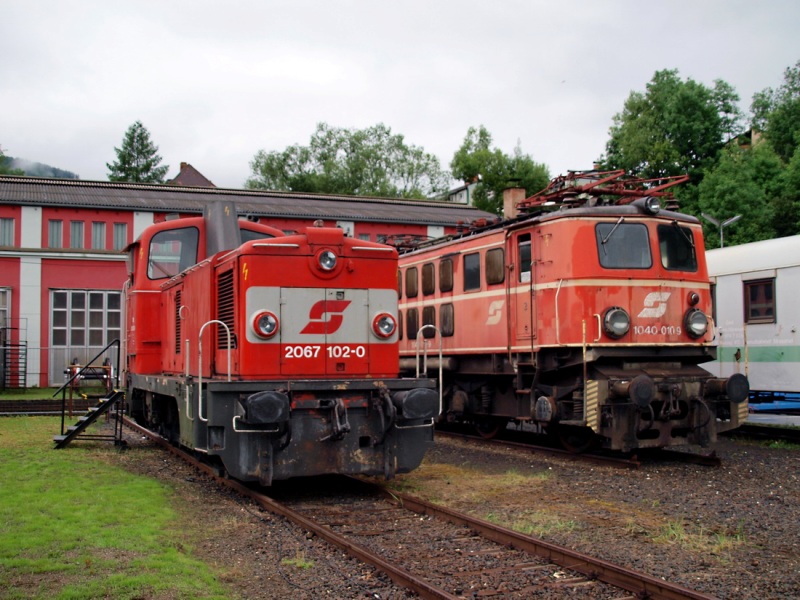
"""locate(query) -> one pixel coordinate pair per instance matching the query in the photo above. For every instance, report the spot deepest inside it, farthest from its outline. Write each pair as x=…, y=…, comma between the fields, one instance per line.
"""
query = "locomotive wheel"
x=576, y=439
x=489, y=428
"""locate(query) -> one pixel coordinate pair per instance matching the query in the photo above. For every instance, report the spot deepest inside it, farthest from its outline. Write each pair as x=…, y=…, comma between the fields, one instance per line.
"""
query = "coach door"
x=522, y=287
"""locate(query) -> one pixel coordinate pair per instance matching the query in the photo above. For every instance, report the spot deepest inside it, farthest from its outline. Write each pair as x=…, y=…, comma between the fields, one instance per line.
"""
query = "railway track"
x=439, y=553
x=616, y=460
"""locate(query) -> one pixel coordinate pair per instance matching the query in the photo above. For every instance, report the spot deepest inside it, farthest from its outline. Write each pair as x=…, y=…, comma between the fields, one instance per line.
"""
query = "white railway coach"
x=755, y=291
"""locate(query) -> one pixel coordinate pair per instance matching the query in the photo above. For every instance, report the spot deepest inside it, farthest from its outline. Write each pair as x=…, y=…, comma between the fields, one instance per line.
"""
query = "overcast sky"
x=214, y=82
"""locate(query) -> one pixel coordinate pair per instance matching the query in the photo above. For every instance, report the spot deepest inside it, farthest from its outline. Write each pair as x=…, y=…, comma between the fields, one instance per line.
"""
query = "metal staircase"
x=106, y=404
x=73, y=431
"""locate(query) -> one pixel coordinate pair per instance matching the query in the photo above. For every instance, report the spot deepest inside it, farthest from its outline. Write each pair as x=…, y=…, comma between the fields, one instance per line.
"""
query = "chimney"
x=511, y=197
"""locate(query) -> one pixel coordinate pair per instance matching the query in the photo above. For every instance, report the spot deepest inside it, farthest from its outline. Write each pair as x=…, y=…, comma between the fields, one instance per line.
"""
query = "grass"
x=534, y=522
x=700, y=540
x=74, y=526
x=28, y=394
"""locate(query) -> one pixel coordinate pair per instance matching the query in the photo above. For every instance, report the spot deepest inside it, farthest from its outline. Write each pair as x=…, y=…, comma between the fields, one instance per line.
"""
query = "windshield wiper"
x=685, y=235
x=613, y=229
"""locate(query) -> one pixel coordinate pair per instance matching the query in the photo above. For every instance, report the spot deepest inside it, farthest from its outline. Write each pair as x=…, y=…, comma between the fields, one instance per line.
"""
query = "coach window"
x=447, y=320
x=446, y=275
x=171, y=252
x=399, y=284
x=623, y=245
x=759, y=301
x=412, y=323
x=495, y=266
x=400, y=324
x=411, y=282
x=524, y=253
x=428, y=279
x=472, y=271
x=676, y=245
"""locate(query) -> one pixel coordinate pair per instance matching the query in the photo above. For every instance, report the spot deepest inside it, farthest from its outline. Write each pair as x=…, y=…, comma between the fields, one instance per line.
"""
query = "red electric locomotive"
x=588, y=315
x=274, y=355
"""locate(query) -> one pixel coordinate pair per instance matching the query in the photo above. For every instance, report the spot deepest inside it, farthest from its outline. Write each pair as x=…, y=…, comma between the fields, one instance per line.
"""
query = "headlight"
x=652, y=205
x=616, y=322
x=696, y=323
x=384, y=325
x=327, y=260
x=265, y=324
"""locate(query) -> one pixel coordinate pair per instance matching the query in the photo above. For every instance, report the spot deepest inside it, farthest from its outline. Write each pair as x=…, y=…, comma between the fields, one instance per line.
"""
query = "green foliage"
x=495, y=171
x=777, y=113
x=675, y=127
x=5, y=165
x=137, y=159
x=365, y=162
x=76, y=527
x=745, y=182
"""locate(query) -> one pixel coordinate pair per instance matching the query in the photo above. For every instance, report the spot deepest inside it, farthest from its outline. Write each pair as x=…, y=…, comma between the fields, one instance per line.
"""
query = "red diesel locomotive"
x=275, y=355
x=587, y=315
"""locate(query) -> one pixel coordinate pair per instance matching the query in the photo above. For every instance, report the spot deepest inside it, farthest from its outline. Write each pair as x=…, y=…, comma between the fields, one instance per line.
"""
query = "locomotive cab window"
x=248, y=235
x=622, y=245
x=472, y=271
x=171, y=252
x=676, y=245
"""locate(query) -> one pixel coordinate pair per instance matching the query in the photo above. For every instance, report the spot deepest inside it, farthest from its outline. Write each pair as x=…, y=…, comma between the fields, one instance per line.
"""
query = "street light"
x=721, y=225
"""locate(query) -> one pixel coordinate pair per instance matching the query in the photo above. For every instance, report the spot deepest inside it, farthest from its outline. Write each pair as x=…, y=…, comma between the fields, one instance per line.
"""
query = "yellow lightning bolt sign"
x=244, y=271
x=227, y=211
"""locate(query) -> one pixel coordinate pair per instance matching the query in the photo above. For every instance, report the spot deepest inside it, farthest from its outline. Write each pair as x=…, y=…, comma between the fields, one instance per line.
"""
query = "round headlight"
x=327, y=260
x=616, y=322
x=384, y=325
x=652, y=205
x=265, y=324
x=696, y=323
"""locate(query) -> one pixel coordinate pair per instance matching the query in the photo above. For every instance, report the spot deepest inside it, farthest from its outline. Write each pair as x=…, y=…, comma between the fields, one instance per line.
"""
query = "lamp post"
x=721, y=224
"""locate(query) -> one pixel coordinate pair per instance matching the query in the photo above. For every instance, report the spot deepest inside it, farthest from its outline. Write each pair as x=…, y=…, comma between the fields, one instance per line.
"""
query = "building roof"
x=777, y=253
x=189, y=176
x=32, y=191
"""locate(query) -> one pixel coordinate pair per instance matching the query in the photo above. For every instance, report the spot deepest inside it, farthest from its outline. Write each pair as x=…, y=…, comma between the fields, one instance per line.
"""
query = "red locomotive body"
x=590, y=321
x=277, y=356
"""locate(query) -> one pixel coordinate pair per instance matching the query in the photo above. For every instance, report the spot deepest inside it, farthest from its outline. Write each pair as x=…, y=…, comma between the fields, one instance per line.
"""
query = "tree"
x=365, y=162
x=777, y=113
x=747, y=182
x=475, y=160
x=5, y=165
x=675, y=127
x=137, y=159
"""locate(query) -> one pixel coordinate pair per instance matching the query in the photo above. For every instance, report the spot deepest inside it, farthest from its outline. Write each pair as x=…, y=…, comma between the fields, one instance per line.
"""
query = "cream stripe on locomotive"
x=572, y=283
x=320, y=315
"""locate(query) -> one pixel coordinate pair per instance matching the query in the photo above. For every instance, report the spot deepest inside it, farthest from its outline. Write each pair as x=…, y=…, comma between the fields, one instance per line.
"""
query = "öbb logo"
x=655, y=305
x=334, y=309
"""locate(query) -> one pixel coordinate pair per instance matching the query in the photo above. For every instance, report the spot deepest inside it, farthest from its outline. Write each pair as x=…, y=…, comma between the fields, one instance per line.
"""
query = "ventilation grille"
x=225, y=310
x=178, y=322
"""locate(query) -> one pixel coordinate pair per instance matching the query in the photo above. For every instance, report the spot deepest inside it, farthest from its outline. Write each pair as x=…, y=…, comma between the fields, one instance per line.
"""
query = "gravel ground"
x=733, y=531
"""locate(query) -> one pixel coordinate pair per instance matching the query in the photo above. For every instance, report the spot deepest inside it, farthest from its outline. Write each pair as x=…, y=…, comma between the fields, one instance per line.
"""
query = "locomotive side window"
x=411, y=282
x=429, y=318
x=446, y=275
x=759, y=301
x=171, y=252
x=495, y=266
x=472, y=271
x=400, y=324
x=447, y=319
x=623, y=245
x=412, y=323
x=676, y=245
x=428, y=279
x=524, y=252
x=399, y=284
